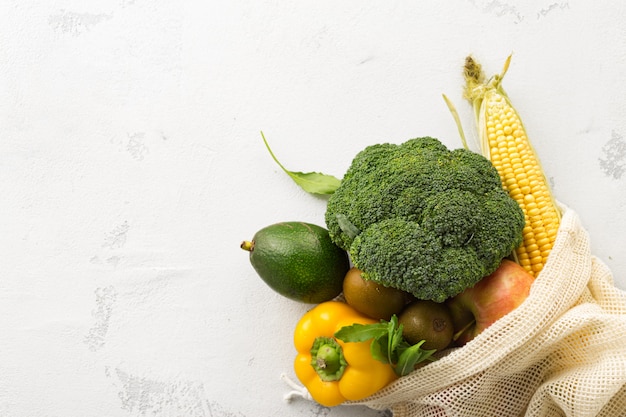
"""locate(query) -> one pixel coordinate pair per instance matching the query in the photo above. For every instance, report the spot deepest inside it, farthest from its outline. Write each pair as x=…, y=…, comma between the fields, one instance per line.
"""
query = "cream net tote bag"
x=561, y=353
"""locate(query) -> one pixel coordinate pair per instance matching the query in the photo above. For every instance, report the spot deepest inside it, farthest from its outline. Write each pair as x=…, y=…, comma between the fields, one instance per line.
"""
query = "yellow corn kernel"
x=504, y=141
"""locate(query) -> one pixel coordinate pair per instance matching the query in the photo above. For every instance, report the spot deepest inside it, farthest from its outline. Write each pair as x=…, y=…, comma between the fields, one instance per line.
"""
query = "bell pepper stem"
x=327, y=359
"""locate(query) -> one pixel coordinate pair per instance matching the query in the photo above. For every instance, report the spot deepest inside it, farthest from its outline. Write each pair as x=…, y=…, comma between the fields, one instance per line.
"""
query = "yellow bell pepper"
x=331, y=370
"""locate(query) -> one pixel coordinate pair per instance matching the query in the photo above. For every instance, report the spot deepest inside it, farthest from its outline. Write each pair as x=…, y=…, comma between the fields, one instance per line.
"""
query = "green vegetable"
x=388, y=345
x=311, y=182
x=299, y=261
x=422, y=218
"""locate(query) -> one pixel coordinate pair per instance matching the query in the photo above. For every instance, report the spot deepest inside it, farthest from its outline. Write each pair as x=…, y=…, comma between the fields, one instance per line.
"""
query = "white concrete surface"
x=131, y=167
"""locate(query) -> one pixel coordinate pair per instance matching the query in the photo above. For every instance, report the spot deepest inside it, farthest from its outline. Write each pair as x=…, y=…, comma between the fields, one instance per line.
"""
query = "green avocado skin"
x=299, y=261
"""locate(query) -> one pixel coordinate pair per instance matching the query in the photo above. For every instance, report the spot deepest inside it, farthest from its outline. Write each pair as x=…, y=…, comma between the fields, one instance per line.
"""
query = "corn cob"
x=503, y=140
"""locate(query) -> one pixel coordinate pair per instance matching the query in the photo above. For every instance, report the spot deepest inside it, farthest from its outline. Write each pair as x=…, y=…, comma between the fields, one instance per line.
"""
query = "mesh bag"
x=561, y=353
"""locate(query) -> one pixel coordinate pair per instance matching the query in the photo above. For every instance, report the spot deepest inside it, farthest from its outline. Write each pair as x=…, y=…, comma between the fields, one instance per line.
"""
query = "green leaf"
x=395, y=339
x=362, y=332
x=380, y=349
x=388, y=344
x=347, y=226
x=311, y=182
x=411, y=356
x=379, y=333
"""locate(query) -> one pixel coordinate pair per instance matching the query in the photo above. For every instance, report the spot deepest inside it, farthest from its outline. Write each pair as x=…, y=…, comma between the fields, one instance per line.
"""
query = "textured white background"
x=131, y=167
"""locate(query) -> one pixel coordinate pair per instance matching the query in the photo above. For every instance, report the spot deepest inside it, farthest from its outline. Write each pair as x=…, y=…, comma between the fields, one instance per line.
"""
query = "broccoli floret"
x=422, y=218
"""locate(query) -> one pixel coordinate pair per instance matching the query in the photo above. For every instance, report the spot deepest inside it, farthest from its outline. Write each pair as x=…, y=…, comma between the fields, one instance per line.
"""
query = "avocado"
x=299, y=261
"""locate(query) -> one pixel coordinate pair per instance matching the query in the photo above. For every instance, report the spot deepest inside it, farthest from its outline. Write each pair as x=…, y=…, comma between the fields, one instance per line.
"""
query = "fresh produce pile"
x=423, y=249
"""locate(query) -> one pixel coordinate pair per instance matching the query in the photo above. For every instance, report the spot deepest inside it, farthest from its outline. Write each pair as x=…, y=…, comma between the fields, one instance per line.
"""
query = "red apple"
x=490, y=299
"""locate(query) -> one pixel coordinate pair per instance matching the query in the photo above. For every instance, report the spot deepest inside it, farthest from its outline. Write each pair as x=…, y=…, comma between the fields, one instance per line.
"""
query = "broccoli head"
x=422, y=218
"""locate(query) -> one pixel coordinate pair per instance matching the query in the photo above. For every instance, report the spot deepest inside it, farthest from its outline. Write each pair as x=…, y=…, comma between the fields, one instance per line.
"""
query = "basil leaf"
x=361, y=332
x=311, y=182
